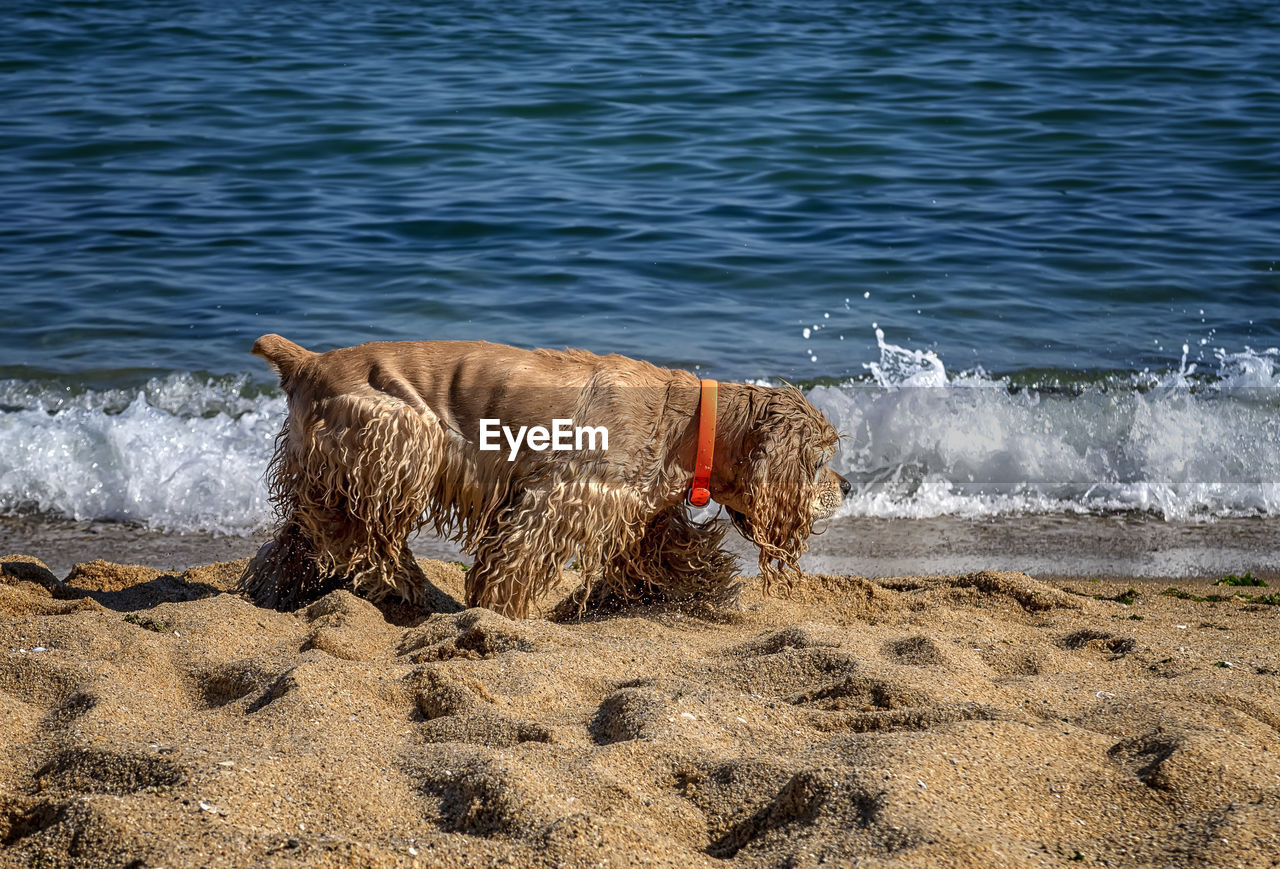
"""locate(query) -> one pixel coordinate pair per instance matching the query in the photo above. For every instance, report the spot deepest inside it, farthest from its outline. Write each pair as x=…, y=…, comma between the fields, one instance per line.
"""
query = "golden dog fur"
x=382, y=439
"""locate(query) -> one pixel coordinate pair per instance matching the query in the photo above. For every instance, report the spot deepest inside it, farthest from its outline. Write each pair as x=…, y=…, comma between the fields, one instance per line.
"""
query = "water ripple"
x=1028, y=186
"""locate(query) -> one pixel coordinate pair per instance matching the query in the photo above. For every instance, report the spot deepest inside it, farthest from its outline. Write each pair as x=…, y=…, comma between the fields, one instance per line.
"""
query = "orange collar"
x=700, y=492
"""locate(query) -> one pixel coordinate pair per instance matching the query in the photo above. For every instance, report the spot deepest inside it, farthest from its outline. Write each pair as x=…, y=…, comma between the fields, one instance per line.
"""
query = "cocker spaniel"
x=528, y=459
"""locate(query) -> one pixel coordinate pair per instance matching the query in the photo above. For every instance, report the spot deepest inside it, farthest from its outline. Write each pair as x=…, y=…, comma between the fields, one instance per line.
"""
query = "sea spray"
x=920, y=442
x=180, y=466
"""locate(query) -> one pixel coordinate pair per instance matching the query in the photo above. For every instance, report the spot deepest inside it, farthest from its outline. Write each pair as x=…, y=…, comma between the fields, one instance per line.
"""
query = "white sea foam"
x=170, y=458
x=186, y=453
x=920, y=442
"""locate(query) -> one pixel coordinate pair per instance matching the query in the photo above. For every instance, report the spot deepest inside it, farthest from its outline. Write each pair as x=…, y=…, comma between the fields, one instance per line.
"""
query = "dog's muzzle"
x=830, y=490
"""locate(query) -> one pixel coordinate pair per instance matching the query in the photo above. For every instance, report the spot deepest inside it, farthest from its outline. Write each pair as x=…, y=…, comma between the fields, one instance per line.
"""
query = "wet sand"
x=1120, y=546
x=154, y=718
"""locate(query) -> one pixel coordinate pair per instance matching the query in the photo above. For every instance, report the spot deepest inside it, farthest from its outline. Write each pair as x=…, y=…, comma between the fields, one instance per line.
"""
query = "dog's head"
x=774, y=478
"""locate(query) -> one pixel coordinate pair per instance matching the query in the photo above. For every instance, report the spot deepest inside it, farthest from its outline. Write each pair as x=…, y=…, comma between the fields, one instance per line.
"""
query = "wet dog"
x=385, y=438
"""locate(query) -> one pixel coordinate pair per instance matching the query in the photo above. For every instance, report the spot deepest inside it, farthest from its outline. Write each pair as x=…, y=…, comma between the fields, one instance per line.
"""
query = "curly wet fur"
x=375, y=448
x=784, y=439
x=349, y=492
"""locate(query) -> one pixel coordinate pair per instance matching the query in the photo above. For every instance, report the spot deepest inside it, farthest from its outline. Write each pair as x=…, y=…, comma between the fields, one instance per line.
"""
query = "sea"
x=1023, y=254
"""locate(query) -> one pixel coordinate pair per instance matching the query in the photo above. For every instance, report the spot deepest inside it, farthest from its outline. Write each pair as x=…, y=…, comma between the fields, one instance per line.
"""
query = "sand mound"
x=154, y=718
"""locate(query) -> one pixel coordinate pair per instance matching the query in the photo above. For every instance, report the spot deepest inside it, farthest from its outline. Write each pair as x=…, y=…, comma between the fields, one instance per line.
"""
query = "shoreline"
x=1120, y=546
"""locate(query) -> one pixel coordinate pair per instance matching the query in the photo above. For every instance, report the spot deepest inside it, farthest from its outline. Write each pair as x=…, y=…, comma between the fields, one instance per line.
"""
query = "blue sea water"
x=1074, y=205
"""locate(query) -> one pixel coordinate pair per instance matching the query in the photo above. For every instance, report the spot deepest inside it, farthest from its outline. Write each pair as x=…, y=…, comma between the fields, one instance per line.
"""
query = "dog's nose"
x=845, y=487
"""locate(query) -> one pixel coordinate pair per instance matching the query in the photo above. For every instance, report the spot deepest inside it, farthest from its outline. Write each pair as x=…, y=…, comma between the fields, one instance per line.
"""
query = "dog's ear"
x=780, y=486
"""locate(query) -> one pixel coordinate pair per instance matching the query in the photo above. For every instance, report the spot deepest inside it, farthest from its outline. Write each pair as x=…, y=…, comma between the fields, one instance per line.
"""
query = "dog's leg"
x=521, y=554
x=284, y=574
x=405, y=580
x=508, y=576
x=352, y=484
x=675, y=558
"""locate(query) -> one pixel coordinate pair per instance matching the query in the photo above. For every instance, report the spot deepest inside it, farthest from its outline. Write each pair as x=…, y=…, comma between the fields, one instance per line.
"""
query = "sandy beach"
x=156, y=718
x=1021, y=257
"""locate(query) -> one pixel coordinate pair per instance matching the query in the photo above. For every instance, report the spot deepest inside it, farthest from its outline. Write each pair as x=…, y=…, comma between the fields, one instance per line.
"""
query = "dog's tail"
x=283, y=355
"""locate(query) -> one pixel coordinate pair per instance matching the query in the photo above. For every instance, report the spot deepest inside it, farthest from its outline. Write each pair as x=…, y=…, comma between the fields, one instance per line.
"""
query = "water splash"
x=1250, y=369
x=1182, y=444
x=165, y=459
x=899, y=366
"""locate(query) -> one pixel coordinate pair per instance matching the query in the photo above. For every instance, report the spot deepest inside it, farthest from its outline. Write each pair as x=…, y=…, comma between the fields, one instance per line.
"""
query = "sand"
x=158, y=719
